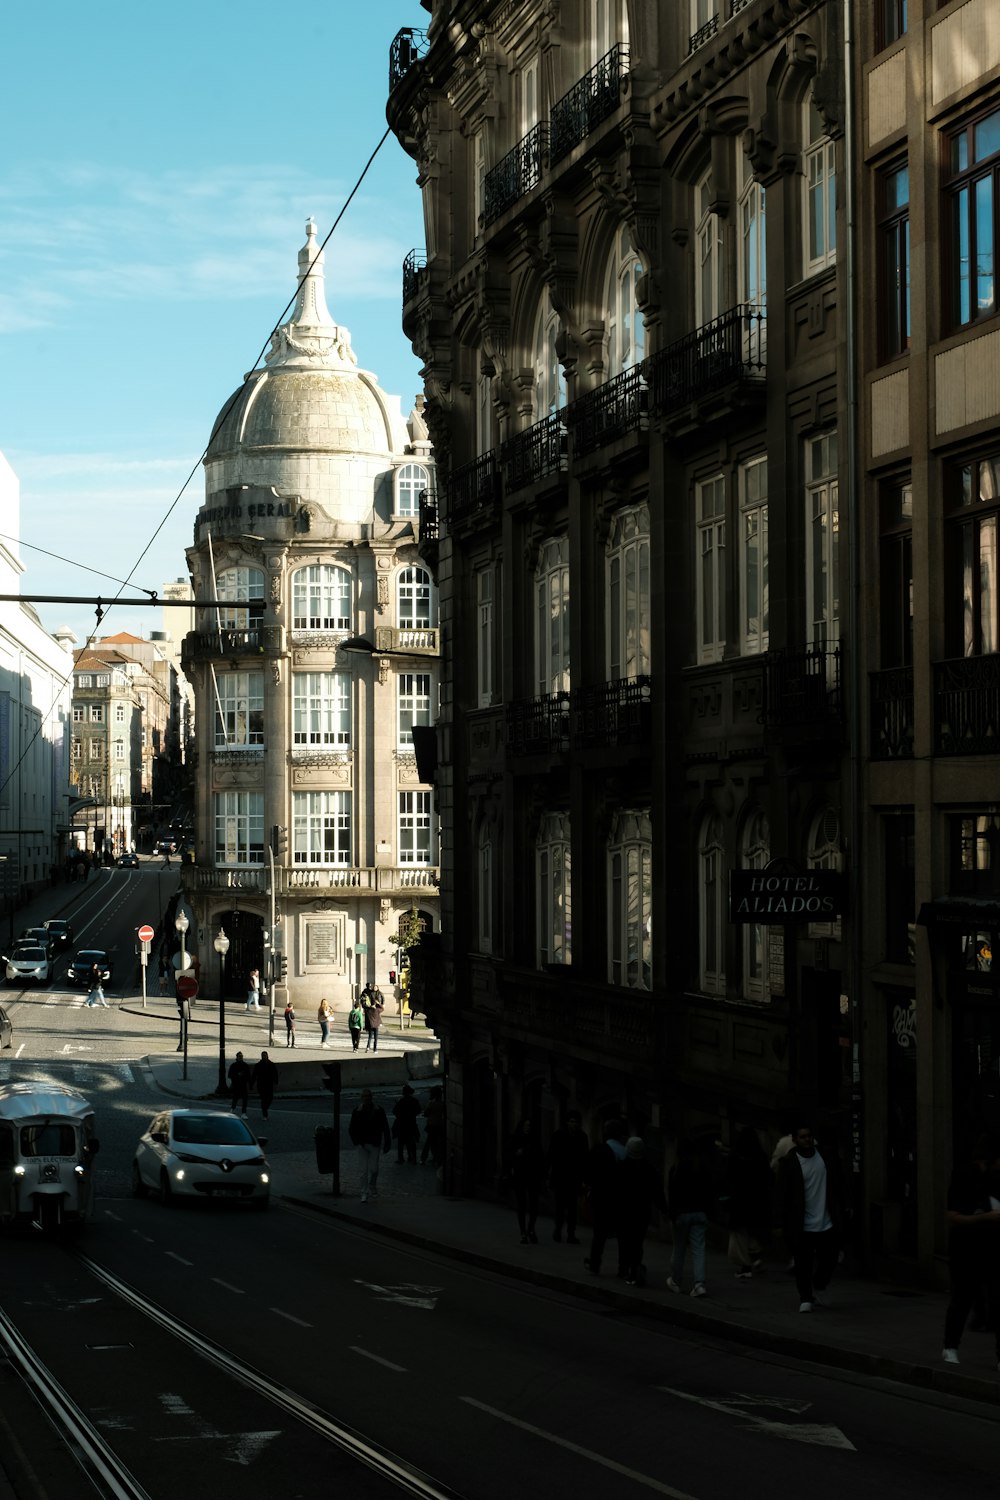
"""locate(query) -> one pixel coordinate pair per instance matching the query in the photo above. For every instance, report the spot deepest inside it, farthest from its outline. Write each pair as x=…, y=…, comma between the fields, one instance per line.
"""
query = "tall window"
x=414, y=599
x=753, y=557
x=485, y=635
x=239, y=828
x=415, y=828
x=973, y=183
x=118, y=750
x=97, y=749
x=321, y=828
x=823, y=853
x=823, y=537
x=410, y=480
x=119, y=713
x=552, y=618
x=890, y=21
x=527, y=95
x=79, y=713
x=709, y=263
x=896, y=574
x=626, y=336
x=753, y=238
x=973, y=501
x=244, y=589
x=710, y=499
x=628, y=595
x=97, y=713
x=77, y=750
x=711, y=913
x=552, y=879
x=239, y=710
x=819, y=161
x=550, y=383
x=484, y=413
x=478, y=174
x=609, y=24
x=321, y=709
x=484, y=865
x=755, y=854
x=630, y=899
x=413, y=698
x=321, y=598
x=893, y=190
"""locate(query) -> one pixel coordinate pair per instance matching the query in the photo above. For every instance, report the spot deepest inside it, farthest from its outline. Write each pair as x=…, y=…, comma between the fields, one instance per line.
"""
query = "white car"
x=201, y=1153
x=28, y=963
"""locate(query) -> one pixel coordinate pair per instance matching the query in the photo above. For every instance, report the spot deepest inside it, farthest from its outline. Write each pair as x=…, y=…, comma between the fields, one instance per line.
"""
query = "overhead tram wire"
x=102, y=607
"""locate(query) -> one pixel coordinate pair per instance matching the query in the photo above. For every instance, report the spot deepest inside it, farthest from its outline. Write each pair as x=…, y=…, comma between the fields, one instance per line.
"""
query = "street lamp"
x=221, y=946
x=182, y=924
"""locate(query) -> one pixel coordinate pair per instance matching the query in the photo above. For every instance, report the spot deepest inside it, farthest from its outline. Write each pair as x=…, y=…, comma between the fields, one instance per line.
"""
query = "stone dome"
x=322, y=411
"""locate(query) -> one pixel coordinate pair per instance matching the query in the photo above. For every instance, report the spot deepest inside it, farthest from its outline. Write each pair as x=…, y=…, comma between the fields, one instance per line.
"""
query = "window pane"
x=986, y=137
x=984, y=245
x=988, y=584
x=961, y=250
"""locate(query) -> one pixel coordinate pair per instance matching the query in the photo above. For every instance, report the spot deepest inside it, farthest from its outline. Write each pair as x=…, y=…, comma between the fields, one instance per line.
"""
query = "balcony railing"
x=535, y=454
x=703, y=33
x=389, y=638
x=967, y=706
x=728, y=351
x=613, y=713
x=474, y=487
x=612, y=410
x=408, y=47
x=517, y=174
x=892, y=714
x=225, y=642
x=735, y=6
x=588, y=102
x=414, y=263
x=407, y=878
x=802, y=686
x=538, y=726
x=231, y=756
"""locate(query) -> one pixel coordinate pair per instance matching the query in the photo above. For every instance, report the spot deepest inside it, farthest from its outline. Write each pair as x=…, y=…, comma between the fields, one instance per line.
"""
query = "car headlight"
x=179, y=1174
x=264, y=1177
x=19, y=1171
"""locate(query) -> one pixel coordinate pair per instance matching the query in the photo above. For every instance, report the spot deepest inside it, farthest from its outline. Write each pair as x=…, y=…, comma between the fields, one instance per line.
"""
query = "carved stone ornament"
x=276, y=672
x=384, y=910
x=382, y=583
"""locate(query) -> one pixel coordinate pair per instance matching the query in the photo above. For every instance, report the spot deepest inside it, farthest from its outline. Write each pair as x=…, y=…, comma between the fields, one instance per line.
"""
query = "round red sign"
x=187, y=987
x=146, y=934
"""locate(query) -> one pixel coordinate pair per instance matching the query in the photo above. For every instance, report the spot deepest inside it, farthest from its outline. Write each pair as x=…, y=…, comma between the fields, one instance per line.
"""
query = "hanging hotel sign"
x=763, y=896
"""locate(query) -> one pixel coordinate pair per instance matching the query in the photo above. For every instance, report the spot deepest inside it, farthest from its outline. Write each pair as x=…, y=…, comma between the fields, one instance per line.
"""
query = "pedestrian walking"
x=289, y=1024
x=435, y=1128
x=689, y=1196
x=569, y=1151
x=973, y=1216
x=640, y=1191
x=603, y=1188
x=811, y=1213
x=264, y=1078
x=95, y=993
x=239, y=1084
x=369, y=1130
x=525, y=1171
x=373, y=1018
x=323, y=1015
x=253, y=990
x=406, y=1112
x=750, y=1189
x=355, y=1025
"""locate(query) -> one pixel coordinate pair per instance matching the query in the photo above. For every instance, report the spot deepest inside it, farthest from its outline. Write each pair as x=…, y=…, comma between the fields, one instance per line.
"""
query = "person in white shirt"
x=811, y=1209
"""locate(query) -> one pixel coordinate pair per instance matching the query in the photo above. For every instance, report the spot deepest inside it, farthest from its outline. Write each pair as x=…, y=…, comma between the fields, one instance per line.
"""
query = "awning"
x=969, y=912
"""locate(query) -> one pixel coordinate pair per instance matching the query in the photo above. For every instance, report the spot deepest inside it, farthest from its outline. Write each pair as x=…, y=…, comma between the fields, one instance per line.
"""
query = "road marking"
x=818, y=1433
x=148, y=1238
x=244, y=1446
x=229, y=1286
x=76, y=1047
x=401, y=1369
x=597, y=1458
x=280, y=1312
x=174, y=1256
x=407, y=1293
x=109, y=1215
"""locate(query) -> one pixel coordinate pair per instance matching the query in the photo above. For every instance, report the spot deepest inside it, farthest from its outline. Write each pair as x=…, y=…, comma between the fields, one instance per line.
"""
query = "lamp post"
x=182, y=924
x=221, y=946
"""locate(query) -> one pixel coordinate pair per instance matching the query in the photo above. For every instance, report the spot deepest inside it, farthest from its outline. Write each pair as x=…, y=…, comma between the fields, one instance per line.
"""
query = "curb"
x=884, y=1367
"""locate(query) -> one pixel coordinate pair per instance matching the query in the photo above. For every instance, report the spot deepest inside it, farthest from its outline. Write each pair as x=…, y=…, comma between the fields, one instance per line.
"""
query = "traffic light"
x=332, y=1080
x=392, y=976
x=280, y=968
x=279, y=842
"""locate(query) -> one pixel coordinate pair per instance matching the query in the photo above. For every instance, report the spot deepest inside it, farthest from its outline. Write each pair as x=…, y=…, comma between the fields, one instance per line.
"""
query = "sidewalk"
x=874, y=1328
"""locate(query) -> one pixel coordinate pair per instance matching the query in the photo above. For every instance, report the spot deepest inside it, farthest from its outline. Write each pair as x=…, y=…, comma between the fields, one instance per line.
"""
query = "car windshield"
x=90, y=956
x=211, y=1130
x=51, y=1139
x=30, y=955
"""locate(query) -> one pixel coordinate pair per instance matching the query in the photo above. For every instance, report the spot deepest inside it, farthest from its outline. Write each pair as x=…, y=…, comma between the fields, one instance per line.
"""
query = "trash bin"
x=326, y=1152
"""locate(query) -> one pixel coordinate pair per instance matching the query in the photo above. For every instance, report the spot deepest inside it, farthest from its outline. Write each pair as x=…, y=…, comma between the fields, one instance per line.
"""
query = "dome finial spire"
x=311, y=336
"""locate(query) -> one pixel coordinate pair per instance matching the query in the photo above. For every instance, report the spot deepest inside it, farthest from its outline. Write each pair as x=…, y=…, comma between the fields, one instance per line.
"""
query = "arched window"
x=709, y=262
x=626, y=334
x=755, y=853
x=244, y=587
x=415, y=604
x=410, y=480
x=819, y=184
x=552, y=618
x=630, y=901
x=823, y=852
x=628, y=604
x=321, y=598
x=550, y=383
x=553, y=886
x=711, y=892
x=484, y=882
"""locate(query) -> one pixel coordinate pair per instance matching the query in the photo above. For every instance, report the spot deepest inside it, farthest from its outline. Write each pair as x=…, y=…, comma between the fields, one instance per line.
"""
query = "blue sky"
x=157, y=170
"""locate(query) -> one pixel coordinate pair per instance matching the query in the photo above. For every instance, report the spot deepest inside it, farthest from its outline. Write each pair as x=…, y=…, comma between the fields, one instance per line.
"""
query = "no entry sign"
x=187, y=987
x=146, y=934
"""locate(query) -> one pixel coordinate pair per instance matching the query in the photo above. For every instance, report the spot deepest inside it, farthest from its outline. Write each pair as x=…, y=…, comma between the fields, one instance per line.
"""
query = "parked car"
x=60, y=932
x=128, y=861
x=39, y=937
x=165, y=846
x=6, y=1029
x=199, y=1153
x=29, y=962
x=83, y=961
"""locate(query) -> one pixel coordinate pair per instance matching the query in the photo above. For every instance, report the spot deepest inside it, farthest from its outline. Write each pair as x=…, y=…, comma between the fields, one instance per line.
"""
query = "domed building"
x=315, y=832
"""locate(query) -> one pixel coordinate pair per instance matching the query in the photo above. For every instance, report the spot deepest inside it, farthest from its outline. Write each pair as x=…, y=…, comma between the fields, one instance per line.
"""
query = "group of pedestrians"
x=371, y=1134
x=262, y=1079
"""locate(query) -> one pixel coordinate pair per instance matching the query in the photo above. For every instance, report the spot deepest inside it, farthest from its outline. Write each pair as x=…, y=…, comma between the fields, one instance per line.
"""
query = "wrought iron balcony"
x=535, y=454
x=413, y=264
x=703, y=33
x=591, y=100
x=474, y=487
x=802, y=686
x=538, y=726
x=735, y=6
x=516, y=175
x=408, y=47
x=614, y=713
x=612, y=410
x=892, y=714
x=728, y=351
x=253, y=642
x=967, y=706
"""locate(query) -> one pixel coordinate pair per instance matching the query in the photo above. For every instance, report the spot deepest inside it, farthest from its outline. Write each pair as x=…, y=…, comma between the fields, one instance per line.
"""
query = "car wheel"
x=139, y=1188
x=166, y=1193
